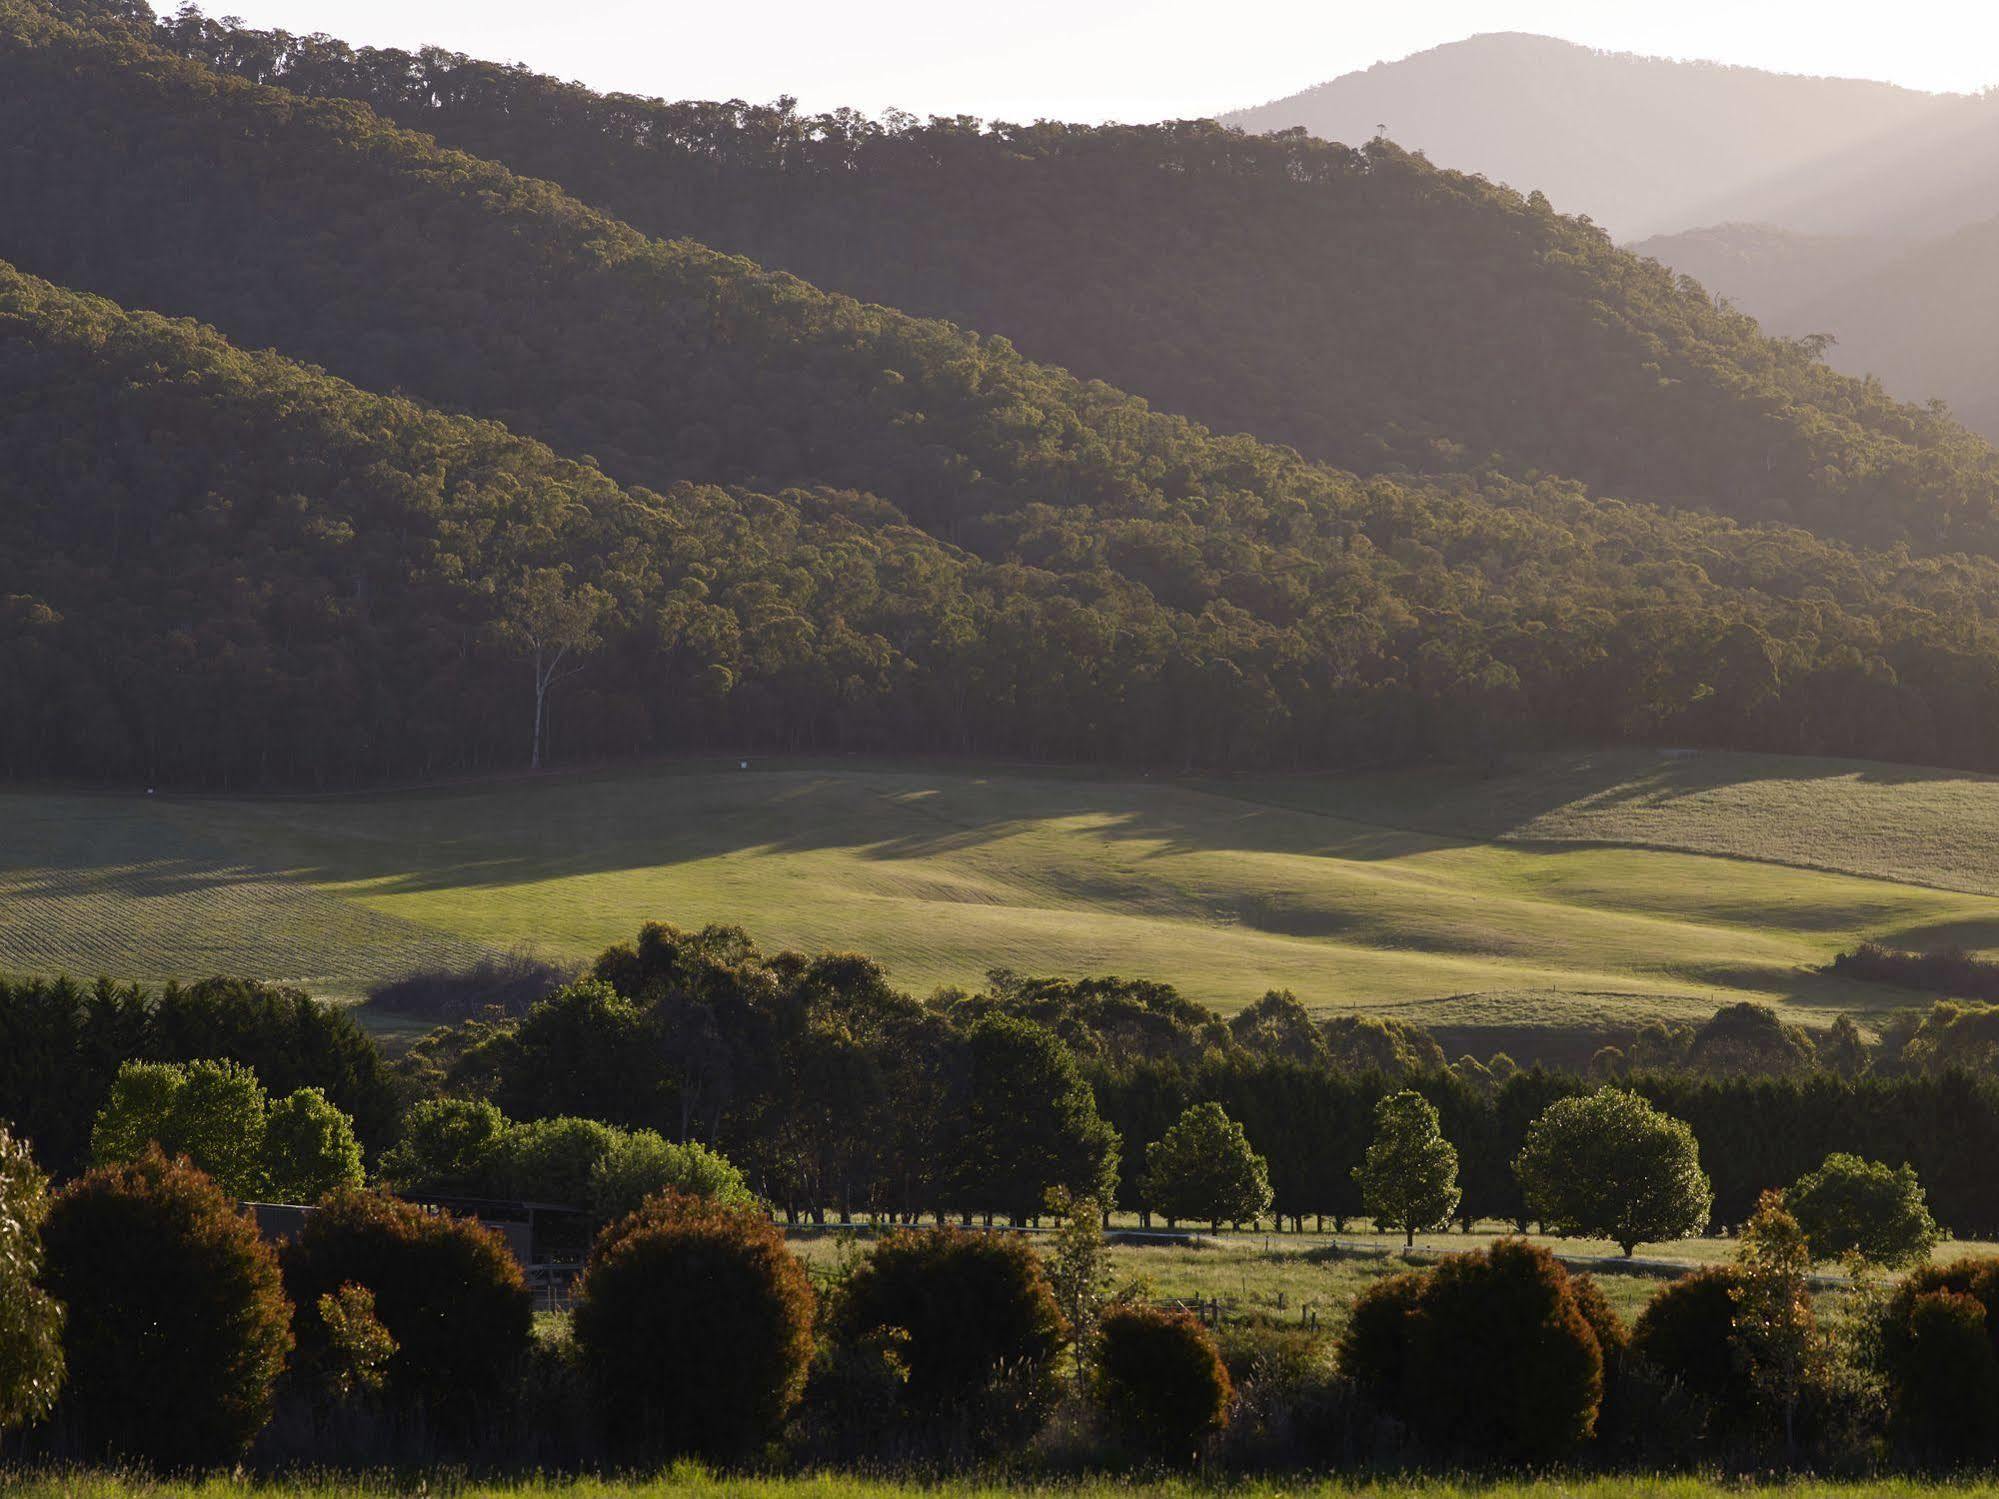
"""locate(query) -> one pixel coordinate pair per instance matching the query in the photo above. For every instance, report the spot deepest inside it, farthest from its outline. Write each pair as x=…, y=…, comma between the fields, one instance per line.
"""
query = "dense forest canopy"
x=788, y=519
x=227, y=568
x=1359, y=304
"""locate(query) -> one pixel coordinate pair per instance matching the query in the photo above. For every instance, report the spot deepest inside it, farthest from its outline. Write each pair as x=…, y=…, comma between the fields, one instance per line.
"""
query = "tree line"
x=792, y=521
x=837, y=1096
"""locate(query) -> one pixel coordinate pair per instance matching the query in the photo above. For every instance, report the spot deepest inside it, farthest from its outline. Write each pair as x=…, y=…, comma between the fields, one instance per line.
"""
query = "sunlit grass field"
x=1445, y=898
x=1286, y=1279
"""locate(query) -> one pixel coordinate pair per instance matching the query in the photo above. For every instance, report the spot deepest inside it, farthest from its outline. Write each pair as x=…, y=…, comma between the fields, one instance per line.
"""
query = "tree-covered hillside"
x=226, y=568
x=1361, y=305
x=222, y=567
x=968, y=552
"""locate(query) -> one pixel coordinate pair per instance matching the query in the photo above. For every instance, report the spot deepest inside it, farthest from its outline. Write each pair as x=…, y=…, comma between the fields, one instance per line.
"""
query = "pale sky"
x=1120, y=59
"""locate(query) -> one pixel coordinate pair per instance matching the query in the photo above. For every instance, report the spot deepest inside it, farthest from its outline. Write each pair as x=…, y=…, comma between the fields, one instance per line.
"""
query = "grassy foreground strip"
x=693, y=1481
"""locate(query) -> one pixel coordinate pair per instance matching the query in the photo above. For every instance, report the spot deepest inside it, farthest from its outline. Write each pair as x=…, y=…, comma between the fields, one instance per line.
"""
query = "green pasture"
x=1568, y=892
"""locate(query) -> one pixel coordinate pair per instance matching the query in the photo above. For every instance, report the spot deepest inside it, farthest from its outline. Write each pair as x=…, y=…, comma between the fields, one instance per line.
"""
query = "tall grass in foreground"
x=690, y=1480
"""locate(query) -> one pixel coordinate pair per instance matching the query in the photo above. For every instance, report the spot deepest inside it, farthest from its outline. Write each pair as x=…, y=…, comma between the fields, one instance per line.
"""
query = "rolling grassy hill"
x=1524, y=901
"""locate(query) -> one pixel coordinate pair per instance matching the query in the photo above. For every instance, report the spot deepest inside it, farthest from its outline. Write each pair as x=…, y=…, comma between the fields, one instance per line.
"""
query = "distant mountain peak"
x=1664, y=137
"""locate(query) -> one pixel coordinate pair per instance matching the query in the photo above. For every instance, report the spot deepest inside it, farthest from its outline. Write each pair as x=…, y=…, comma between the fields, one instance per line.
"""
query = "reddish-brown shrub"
x=1687, y=1333
x=1160, y=1381
x=445, y=1288
x=695, y=1324
x=1374, y=1345
x=1489, y=1355
x=177, y=1325
x=1940, y=1352
x=966, y=1311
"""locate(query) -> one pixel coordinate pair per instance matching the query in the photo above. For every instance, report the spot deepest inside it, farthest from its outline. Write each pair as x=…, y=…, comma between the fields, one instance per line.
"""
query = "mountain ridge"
x=1510, y=105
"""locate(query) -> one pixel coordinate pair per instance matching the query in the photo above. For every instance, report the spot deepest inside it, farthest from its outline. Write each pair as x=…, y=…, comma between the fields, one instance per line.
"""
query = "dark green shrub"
x=1160, y=1381
x=967, y=1314
x=1489, y=1355
x=695, y=1324
x=1613, y=1338
x=1945, y=1392
x=1374, y=1345
x=1685, y=1337
x=1687, y=1333
x=445, y=1288
x=177, y=1324
x=1943, y=1382
x=1502, y=1362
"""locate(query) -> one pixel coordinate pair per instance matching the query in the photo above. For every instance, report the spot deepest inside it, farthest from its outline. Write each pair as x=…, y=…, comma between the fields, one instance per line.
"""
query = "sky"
x=1131, y=60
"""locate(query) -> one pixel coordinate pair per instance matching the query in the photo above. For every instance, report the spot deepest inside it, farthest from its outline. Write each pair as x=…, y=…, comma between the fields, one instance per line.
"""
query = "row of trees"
x=1610, y=1165
x=857, y=530
x=149, y=1319
x=830, y=1090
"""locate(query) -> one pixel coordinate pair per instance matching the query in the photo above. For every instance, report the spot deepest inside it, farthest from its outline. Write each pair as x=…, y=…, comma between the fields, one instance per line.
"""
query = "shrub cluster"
x=444, y=1289
x=177, y=1326
x=1490, y=1355
x=1160, y=1381
x=695, y=1325
x=969, y=1325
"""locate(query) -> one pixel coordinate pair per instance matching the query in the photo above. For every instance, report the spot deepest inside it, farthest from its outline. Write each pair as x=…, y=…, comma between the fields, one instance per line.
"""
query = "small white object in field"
x=744, y=763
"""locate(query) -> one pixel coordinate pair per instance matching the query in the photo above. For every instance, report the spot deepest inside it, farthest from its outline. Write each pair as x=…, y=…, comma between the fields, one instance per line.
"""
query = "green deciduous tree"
x=309, y=1148
x=450, y=1146
x=1866, y=1208
x=31, y=1361
x=1409, y=1179
x=643, y=1164
x=217, y=1115
x=1204, y=1169
x=1029, y=1122
x=210, y=1112
x=1079, y=1267
x=1776, y=1329
x=1612, y=1166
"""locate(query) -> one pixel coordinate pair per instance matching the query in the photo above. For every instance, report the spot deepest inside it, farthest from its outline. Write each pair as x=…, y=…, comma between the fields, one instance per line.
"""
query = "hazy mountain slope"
x=1640, y=144
x=1932, y=174
x=1926, y=322
x=1362, y=306
x=1772, y=274
x=1921, y=319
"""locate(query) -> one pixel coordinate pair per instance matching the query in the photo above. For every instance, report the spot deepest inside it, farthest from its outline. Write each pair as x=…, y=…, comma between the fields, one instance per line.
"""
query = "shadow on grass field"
x=1413, y=895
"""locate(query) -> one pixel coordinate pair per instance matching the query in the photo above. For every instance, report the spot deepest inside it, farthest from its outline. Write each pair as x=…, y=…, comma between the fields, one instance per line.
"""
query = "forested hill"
x=1360, y=305
x=224, y=567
